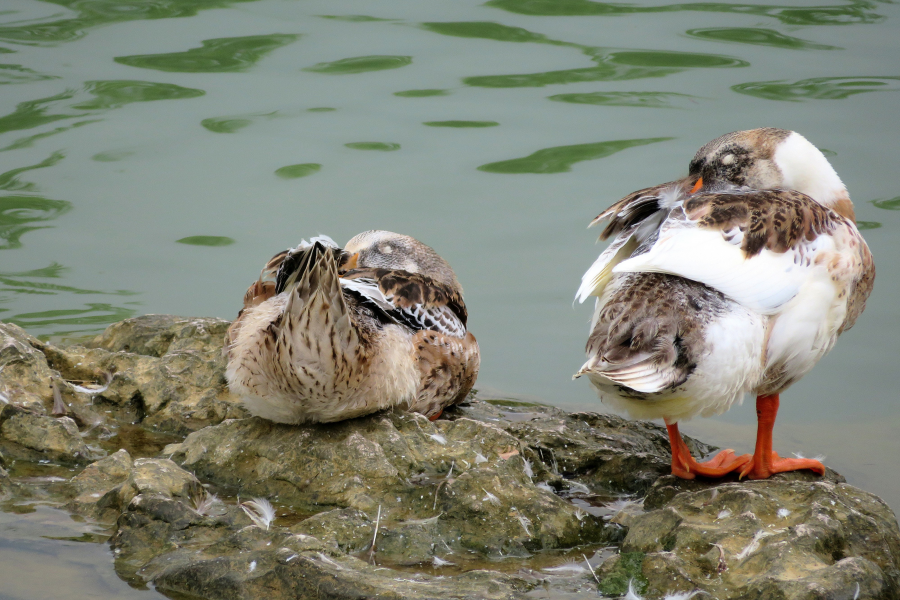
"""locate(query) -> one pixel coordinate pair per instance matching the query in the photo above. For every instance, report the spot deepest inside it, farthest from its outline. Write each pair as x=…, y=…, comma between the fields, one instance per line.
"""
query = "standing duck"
x=328, y=334
x=736, y=279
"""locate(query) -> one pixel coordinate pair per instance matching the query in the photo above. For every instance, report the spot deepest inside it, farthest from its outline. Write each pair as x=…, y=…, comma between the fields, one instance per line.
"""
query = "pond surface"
x=155, y=153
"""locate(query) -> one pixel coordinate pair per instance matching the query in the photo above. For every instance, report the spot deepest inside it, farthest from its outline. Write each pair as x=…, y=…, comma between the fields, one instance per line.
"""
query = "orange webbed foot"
x=436, y=416
x=721, y=464
x=760, y=468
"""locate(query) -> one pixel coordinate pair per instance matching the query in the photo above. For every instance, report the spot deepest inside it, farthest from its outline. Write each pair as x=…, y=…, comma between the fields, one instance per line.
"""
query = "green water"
x=155, y=153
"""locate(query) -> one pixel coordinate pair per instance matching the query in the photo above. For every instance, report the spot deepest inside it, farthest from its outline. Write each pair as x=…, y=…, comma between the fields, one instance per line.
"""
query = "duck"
x=736, y=279
x=329, y=333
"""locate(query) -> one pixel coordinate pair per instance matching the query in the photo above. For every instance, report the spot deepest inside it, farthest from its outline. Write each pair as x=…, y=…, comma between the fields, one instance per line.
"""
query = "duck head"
x=770, y=158
x=388, y=250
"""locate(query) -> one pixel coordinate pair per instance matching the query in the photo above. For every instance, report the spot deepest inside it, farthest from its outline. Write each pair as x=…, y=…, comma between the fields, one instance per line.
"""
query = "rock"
x=166, y=373
x=29, y=436
x=795, y=536
x=24, y=373
x=432, y=490
x=158, y=335
x=104, y=488
x=210, y=558
x=367, y=507
x=605, y=452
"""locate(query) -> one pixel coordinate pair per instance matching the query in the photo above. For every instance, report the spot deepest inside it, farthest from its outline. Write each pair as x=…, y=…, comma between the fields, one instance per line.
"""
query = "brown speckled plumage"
x=315, y=342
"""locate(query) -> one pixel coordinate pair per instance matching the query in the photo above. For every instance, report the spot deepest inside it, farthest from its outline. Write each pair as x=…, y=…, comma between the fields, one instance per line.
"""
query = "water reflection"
x=758, y=37
x=561, y=158
x=422, y=93
x=380, y=146
x=106, y=95
x=461, y=124
x=220, y=55
x=888, y=204
x=851, y=13
x=297, y=171
x=634, y=99
x=20, y=74
x=818, y=88
x=206, y=240
x=18, y=215
x=94, y=13
x=360, y=64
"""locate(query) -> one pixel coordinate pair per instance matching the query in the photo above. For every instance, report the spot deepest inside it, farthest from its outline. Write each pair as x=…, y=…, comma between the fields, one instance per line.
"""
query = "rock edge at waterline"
x=498, y=499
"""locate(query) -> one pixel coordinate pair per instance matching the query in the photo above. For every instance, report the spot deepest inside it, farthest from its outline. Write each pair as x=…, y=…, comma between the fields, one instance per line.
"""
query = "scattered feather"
x=94, y=391
x=260, y=511
x=528, y=470
x=438, y=488
x=579, y=488
x=479, y=458
x=633, y=595
x=588, y=563
x=712, y=497
x=59, y=407
x=723, y=514
x=208, y=504
x=856, y=594
x=524, y=521
x=618, y=506
x=438, y=438
x=819, y=457
x=753, y=546
x=4, y=398
x=328, y=561
x=437, y=561
x=722, y=566
x=567, y=567
x=489, y=497
x=377, y=525
x=252, y=565
x=783, y=513
x=546, y=487
x=580, y=514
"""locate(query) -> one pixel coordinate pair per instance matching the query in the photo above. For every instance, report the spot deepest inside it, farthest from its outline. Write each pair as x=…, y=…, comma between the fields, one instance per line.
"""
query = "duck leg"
x=684, y=465
x=765, y=462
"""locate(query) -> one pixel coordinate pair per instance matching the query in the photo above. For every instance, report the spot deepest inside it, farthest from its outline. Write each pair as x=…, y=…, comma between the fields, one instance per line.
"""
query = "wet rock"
x=218, y=558
x=445, y=487
x=605, y=452
x=104, y=488
x=794, y=536
x=348, y=529
x=35, y=437
x=24, y=372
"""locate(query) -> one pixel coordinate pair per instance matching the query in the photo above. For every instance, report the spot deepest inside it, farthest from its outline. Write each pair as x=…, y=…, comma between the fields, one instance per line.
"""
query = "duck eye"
x=728, y=159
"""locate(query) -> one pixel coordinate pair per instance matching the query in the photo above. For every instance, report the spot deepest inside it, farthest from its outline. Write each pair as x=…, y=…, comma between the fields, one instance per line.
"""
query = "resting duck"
x=736, y=279
x=328, y=334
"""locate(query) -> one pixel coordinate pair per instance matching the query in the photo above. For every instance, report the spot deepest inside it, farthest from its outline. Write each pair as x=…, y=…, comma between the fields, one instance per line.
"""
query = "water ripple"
x=206, y=240
x=757, y=37
x=559, y=159
x=851, y=13
x=888, y=204
x=219, y=55
x=95, y=13
x=818, y=88
x=360, y=64
x=382, y=146
x=297, y=171
x=461, y=123
x=633, y=99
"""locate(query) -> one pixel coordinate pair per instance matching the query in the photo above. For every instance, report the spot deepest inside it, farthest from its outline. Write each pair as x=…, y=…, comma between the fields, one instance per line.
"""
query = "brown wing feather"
x=775, y=220
x=407, y=290
x=259, y=291
x=637, y=206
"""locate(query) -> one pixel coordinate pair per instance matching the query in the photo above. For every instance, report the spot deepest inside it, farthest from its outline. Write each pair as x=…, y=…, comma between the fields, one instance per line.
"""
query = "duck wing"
x=758, y=247
x=413, y=299
x=633, y=221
